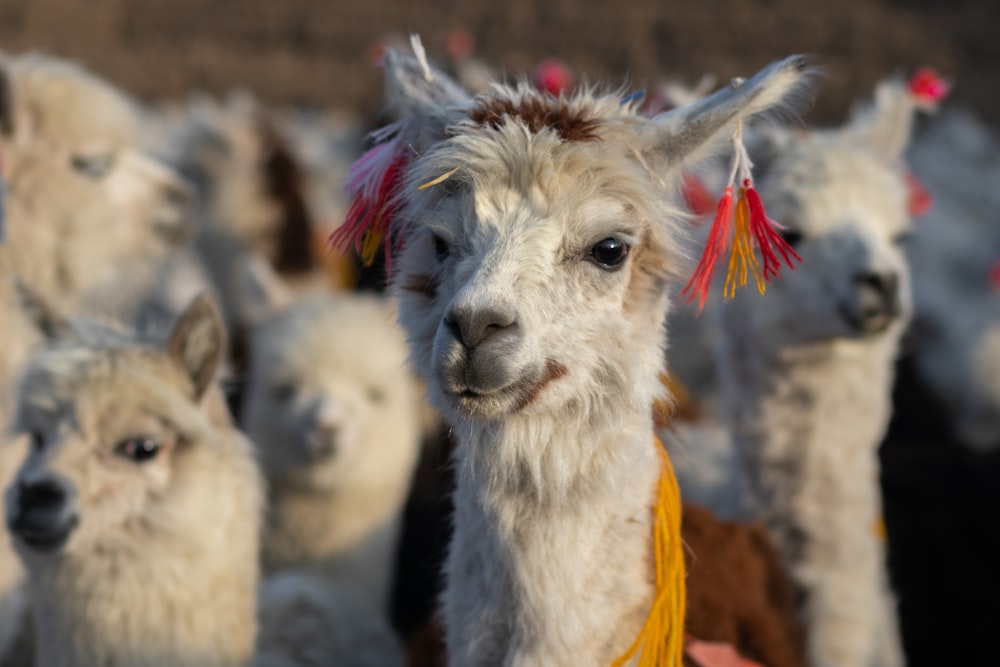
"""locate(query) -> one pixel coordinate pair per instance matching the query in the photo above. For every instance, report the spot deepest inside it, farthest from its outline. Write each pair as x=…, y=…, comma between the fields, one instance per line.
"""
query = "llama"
x=136, y=513
x=338, y=423
x=517, y=199
x=806, y=374
x=79, y=200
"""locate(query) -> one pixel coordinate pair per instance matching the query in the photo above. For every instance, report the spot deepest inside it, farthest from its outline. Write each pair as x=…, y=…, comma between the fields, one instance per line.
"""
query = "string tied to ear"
x=742, y=226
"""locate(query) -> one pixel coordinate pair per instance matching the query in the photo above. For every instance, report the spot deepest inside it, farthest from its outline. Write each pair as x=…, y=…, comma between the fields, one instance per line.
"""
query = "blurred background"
x=318, y=52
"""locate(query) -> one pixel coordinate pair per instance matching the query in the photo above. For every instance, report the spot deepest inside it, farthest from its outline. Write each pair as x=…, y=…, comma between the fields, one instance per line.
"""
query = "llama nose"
x=324, y=443
x=43, y=514
x=877, y=300
x=474, y=326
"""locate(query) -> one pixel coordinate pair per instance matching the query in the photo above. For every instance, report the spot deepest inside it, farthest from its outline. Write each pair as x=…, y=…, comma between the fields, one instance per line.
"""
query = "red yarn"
x=919, y=200
x=553, y=77
x=928, y=86
x=767, y=237
x=995, y=275
x=718, y=238
x=697, y=198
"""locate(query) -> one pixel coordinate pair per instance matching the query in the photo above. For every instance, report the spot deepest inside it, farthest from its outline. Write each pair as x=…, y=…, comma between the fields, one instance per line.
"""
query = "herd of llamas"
x=229, y=438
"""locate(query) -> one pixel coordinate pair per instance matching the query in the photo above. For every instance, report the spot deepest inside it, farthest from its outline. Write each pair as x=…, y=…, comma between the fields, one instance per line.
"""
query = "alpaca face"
x=330, y=401
x=522, y=296
x=103, y=456
x=844, y=211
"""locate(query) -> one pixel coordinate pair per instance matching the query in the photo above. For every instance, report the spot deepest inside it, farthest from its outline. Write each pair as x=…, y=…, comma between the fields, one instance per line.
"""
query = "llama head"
x=533, y=278
x=330, y=402
x=65, y=129
x=842, y=197
x=955, y=255
x=126, y=442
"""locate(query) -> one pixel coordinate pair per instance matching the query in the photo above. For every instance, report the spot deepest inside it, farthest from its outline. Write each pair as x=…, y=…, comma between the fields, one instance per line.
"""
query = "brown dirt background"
x=316, y=51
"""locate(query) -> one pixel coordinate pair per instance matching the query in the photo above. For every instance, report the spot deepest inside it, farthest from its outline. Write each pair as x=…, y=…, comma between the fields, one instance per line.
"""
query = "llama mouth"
x=519, y=394
x=48, y=541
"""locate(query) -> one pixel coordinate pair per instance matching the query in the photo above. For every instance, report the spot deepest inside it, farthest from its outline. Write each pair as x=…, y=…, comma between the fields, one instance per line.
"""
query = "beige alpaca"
x=80, y=200
x=136, y=514
x=336, y=417
x=533, y=288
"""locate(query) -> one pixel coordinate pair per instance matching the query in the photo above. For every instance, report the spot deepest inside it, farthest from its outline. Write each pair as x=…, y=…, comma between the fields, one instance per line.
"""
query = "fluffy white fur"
x=806, y=382
x=336, y=416
x=546, y=363
x=954, y=247
x=158, y=564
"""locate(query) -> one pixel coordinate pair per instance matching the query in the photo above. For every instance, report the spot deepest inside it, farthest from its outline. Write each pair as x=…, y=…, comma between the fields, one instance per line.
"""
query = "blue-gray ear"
x=422, y=95
x=688, y=134
x=198, y=342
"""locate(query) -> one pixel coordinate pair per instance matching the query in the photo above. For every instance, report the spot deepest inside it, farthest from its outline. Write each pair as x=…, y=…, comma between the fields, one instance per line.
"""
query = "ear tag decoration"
x=745, y=220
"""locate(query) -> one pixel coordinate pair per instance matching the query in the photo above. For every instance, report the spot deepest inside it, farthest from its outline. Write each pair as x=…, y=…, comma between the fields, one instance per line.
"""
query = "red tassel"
x=767, y=237
x=374, y=182
x=718, y=238
x=995, y=275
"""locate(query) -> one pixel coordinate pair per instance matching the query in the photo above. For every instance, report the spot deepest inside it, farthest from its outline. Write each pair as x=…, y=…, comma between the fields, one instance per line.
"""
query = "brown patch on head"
x=553, y=371
x=421, y=284
x=538, y=113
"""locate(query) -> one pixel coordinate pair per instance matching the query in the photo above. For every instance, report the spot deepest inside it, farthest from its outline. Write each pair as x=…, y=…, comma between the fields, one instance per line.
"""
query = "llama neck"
x=551, y=558
x=350, y=534
x=808, y=418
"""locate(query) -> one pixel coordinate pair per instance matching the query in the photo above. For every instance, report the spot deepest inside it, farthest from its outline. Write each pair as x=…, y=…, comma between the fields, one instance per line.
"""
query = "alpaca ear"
x=49, y=322
x=197, y=342
x=692, y=132
x=885, y=123
x=422, y=94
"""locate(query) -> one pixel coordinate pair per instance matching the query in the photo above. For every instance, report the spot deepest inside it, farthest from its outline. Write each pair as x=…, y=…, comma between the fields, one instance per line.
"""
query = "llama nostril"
x=45, y=514
x=472, y=327
x=43, y=495
x=324, y=443
x=878, y=302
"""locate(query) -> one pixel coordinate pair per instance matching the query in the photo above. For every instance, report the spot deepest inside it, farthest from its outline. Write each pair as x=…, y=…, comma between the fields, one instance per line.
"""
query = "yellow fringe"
x=443, y=177
x=661, y=641
x=742, y=256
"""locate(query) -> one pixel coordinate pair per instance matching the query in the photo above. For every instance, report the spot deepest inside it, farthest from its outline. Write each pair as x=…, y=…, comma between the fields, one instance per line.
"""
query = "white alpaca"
x=137, y=512
x=806, y=373
x=532, y=286
x=336, y=417
x=79, y=200
x=956, y=300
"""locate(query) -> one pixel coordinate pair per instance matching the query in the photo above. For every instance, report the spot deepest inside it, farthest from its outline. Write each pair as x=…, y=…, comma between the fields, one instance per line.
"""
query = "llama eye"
x=609, y=253
x=139, y=449
x=792, y=237
x=440, y=247
x=37, y=441
x=376, y=395
x=94, y=166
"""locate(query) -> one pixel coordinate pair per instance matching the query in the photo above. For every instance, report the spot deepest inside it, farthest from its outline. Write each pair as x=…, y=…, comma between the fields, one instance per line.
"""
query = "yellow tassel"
x=742, y=257
x=440, y=179
x=661, y=641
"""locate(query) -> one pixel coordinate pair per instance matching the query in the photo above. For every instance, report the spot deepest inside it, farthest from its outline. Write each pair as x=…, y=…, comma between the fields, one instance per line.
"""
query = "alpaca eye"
x=609, y=253
x=376, y=395
x=792, y=237
x=140, y=449
x=440, y=247
x=94, y=166
x=37, y=441
x=282, y=393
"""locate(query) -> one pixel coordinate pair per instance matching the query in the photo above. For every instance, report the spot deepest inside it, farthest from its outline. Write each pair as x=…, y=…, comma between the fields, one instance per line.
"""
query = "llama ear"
x=692, y=132
x=422, y=94
x=886, y=122
x=52, y=324
x=197, y=342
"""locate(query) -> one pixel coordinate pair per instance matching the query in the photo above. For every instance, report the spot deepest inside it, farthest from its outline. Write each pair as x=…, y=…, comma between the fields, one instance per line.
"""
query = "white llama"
x=533, y=288
x=336, y=417
x=137, y=512
x=806, y=374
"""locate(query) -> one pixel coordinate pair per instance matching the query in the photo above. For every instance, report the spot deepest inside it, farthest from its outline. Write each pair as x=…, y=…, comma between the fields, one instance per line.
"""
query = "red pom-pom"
x=919, y=200
x=928, y=87
x=995, y=275
x=718, y=239
x=697, y=198
x=553, y=77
